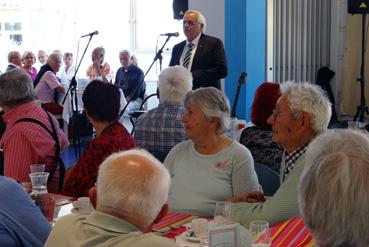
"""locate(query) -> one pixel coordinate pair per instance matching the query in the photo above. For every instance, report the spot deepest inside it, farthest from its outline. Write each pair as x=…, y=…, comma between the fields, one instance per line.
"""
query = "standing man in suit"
x=201, y=54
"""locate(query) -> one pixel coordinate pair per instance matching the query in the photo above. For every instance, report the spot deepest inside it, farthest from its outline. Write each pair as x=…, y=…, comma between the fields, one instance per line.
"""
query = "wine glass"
x=221, y=214
x=260, y=233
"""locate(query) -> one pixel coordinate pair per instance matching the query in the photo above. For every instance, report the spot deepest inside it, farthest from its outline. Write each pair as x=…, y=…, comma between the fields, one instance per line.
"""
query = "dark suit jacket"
x=209, y=64
x=10, y=67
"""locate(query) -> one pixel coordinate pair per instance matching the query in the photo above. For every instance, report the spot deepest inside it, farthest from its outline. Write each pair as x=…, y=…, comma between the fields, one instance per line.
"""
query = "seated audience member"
x=24, y=142
x=333, y=190
x=161, y=128
x=41, y=59
x=302, y=112
x=28, y=59
x=258, y=138
x=67, y=72
x=99, y=69
x=101, y=104
x=210, y=167
x=128, y=77
x=47, y=84
x=14, y=59
x=21, y=221
x=131, y=194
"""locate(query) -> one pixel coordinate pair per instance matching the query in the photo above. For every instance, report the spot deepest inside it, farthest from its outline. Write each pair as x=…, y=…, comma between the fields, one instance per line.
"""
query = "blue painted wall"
x=245, y=42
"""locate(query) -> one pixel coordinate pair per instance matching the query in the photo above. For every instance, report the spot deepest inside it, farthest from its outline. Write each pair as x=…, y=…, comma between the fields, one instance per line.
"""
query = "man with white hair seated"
x=131, y=194
x=161, y=128
x=302, y=112
x=128, y=77
x=333, y=191
x=14, y=59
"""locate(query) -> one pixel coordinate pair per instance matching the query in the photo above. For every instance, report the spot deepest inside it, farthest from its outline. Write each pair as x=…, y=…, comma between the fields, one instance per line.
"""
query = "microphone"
x=176, y=34
x=90, y=34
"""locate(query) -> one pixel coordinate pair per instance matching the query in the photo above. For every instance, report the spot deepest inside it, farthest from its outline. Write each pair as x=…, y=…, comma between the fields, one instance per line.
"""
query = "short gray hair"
x=200, y=17
x=53, y=56
x=125, y=51
x=309, y=98
x=138, y=193
x=11, y=54
x=174, y=83
x=213, y=103
x=100, y=49
x=333, y=190
x=16, y=87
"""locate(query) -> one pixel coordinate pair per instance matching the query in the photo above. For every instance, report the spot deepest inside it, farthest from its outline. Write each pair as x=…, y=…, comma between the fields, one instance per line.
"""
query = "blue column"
x=245, y=44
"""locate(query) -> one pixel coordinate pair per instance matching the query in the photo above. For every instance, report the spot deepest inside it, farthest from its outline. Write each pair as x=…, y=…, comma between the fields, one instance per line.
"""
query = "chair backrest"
x=133, y=116
x=268, y=179
x=144, y=105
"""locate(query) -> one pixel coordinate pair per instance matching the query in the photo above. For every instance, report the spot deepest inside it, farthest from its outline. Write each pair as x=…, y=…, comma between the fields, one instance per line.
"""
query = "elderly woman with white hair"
x=210, y=167
x=333, y=190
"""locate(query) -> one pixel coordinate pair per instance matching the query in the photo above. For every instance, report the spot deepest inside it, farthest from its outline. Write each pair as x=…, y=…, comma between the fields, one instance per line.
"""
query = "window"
x=125, y=24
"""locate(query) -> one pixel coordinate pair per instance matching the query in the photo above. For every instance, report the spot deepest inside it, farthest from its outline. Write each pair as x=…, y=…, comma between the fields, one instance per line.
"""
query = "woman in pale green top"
x=210, y=167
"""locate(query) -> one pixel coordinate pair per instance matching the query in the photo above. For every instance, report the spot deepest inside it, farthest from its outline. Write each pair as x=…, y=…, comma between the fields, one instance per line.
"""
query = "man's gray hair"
x=141, y=193
x=200, y=18
x=174, y=83
x=125, y=51
x=309, y=98
x=16, y=87
x=213, y=103
x=13, y=53
x=53, y=56
x=333, y=190
x=100, y=49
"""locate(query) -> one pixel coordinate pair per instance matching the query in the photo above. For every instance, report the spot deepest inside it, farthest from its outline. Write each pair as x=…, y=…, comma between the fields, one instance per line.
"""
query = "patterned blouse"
x=263, y=149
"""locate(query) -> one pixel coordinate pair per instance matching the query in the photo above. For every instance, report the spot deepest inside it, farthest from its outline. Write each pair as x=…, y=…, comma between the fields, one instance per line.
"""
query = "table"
x=289, y=233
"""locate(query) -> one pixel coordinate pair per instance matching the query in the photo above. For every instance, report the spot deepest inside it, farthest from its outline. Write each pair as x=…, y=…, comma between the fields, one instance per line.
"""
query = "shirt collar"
x=14, y=65
x=21, y=110
x=195, y=41
x=110, y=223
x=295, y=154
x=292, y=157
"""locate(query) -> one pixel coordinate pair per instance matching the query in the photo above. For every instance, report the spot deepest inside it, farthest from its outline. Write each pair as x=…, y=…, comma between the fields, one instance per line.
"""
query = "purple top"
x=32, y=72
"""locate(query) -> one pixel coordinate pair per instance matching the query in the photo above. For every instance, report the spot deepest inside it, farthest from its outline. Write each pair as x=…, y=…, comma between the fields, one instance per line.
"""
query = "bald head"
x=132, y=183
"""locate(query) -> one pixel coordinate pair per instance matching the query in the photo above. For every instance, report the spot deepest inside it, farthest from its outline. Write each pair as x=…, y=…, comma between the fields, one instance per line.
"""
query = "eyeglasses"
x=190, y=23
x=276, y=114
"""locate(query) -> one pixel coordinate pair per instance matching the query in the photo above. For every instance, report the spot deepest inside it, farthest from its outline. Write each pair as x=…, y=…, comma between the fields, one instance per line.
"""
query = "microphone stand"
x=157, y=56
x=362, y=108
x=73, y=90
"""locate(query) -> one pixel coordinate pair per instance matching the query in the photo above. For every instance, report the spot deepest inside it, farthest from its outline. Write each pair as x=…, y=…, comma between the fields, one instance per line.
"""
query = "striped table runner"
x=172, y=224
x=291, y=233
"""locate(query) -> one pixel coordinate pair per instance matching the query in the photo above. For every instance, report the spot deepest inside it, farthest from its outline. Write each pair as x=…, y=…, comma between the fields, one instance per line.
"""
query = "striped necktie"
x=187, y=58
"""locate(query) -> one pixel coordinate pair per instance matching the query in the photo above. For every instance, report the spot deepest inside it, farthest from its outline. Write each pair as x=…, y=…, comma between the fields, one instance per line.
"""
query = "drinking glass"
x=221, y=213
x=37, y=168
x=84, y=205
x=260, y=233
x=39, y=182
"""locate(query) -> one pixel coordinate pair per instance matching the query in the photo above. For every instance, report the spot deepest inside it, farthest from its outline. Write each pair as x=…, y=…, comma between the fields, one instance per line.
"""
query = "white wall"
x=213, y=10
